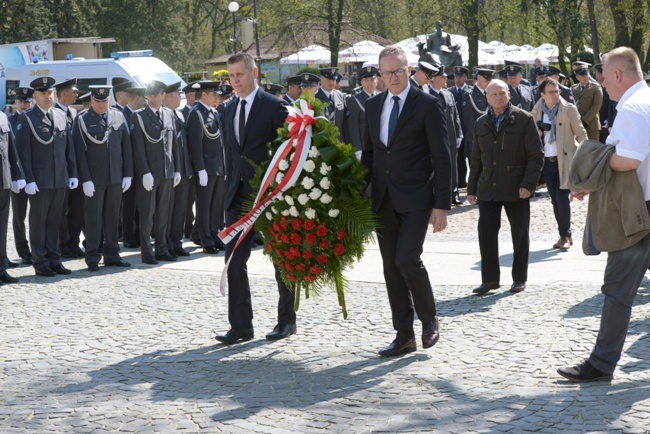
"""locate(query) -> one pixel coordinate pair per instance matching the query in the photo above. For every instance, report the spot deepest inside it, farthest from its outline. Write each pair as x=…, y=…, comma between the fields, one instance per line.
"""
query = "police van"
x=139, y=67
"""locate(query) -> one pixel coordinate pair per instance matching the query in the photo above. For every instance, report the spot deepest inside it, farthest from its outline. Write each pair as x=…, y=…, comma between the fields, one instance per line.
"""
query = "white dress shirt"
x=249, y=103
x=387, y=108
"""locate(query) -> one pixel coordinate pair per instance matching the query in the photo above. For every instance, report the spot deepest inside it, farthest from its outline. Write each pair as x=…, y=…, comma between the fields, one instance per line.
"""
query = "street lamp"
x=234, y=7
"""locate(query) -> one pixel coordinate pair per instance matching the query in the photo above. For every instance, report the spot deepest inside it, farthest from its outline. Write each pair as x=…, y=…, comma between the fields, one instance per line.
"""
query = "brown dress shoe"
x=399, y=346
x=564, y=243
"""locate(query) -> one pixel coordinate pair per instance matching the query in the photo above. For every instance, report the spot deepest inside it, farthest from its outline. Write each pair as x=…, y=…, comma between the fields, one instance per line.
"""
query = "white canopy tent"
x=363, y=51
x=310, y=55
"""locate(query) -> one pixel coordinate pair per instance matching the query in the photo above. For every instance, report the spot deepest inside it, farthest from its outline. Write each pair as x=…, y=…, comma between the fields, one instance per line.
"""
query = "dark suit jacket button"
x=387, y=172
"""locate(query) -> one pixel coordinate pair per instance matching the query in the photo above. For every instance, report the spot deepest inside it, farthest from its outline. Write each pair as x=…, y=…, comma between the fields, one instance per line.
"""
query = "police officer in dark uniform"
x=24, y=101
x=120, y=95
x=157, y=165
x=72, y=221
x=105, y=165
x=180, y=193
x=205, y=142
x=12, y=178
x=192, y=93
x=520, y=94
x=475, y=105
x=459, y=89
x=327, y=93
x=607, y=112
x=293, y=89
x=224, y=96
x=130, y=215
x=355, y=115
x=46, y=152
x=273, y=89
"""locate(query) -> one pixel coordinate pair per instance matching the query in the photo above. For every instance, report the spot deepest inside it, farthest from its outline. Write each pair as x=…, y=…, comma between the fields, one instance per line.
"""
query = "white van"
x=136, y=66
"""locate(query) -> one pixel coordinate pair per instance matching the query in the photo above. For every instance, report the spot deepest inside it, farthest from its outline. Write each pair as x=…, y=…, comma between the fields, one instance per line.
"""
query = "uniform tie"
x=48, y=115
x=242, y=121
x=392, y=120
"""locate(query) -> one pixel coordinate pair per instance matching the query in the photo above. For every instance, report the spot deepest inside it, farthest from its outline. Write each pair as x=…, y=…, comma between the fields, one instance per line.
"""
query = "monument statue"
x=439, y=50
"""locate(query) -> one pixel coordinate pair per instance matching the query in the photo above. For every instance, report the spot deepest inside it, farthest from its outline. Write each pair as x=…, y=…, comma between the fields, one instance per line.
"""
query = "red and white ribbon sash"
x=300, y=131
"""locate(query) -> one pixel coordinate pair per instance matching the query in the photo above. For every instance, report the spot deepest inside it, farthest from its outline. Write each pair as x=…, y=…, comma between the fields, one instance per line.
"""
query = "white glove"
x=126, y=184
x=89, y=188
x=31, y=188
x=16, y=186
x=21, y=184
x=73, y=183
x=147, y=181
x=203, y=178
x=177, y=178
x=458, y=142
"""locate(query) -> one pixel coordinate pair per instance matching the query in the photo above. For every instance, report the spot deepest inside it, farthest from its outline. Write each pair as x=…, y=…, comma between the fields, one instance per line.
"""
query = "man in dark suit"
x=251, y=121
x=157, y=170
x=293, y=89
x=205, y=143
x=474, y=106
x=105, y=165
x=328, y=93
x=407, y=157
x=12, y=178
x=24, y=101
x=355, y=116
x=46, y=152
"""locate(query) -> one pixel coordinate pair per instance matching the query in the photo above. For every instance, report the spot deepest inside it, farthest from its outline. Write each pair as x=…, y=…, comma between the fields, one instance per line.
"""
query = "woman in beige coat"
x=561, y=130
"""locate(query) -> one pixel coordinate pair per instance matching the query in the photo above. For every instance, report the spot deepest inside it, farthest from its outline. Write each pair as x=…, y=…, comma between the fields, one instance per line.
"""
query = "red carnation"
x=341, y=234
x=324, y=244
x=300, y=267
x=309, y=224
x=296, y=224
x=339, y=249
x=321, y=259
x=287, y=254
x=269, y=246
x=308, y=278
x=310, y=238
x=295, y=238
x=294, y=252
x=288, y=266
x=285, y=238
x=291, y=277
x=283, y=223
x=278, y=252
x=307, y=254
x=315, y=269
x=321, y=231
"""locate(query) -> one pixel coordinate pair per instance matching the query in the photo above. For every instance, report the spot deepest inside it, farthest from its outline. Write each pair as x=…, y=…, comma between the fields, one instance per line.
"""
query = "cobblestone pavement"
x=134, y=351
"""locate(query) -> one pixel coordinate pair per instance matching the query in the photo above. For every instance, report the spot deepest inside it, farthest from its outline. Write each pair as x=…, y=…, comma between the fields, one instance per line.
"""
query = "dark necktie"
x=242, y=121
x=48, y=115
x=158, y=114
x=392, y=120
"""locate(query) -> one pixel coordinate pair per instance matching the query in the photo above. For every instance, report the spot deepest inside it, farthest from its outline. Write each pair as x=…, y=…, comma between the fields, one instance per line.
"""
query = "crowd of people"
x=145, y=168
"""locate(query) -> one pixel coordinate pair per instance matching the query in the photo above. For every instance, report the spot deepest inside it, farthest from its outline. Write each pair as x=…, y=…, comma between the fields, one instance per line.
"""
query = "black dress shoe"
x=456, y=200
x=281, y=331
x=150, y=261
x=166, y=257
x=6, y=278
x=181, y=252
x=486, y=287
x=210, y=250
x=173, y=254
x=431, y=334
x=47, y=272
x=93, y=267
x=79, y=252
x=68, y=253
x=60, y=269
x=13, y=264
x=27, y=259
x=119, y=263
x=518, y=287
x=131, y=245
x=219, y=244
x=197, y=242
x=584, y=373
x=258, y=239
x=399, y=346
x=234, y=335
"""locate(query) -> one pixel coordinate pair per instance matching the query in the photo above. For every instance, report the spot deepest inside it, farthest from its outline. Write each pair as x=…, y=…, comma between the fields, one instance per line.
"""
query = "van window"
x=165, y=77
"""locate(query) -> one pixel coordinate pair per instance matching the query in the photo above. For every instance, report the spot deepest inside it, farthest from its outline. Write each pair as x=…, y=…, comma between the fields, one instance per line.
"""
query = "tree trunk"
x=593, y=27
x=471, y=24
x=620, y=24
x=638, y=24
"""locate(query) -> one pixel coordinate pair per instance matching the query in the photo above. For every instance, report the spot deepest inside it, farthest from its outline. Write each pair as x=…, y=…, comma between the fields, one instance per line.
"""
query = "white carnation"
x=324, y=169
x=315, y=194
x=307, y=183
x=269, y=215
x=303, y=199
x=333, y=213
x=313, y=152
x=294, y=212
x=279, y=177
x=289, y=200
x=275, y=211
x=310, y=214
x=309, y=166
x=326, y=198
x=285, y=212
x=280, y=196
x=324, y=183
x=284, y=165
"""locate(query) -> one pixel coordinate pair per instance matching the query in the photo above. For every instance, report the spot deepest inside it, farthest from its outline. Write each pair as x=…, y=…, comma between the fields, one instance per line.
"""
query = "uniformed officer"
x=273, y=89
x=24, y=101
x=105, y=165
x=475, y=105
x=72, y=220
x=130, y=215
x=309, y=82
x=607, y=112
x=192, y=93
x=520, y=95
x=157, y=168
x=522, y=81
x=120, y=95
x=335, y=110
x=85, y=102
x=224, y=96
x=459, y=89
x=205, y=142
x=588, y=99
x=355, y=115
x=293, y=89
x=180, y=193
x=11, y=178
x=46, y=152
